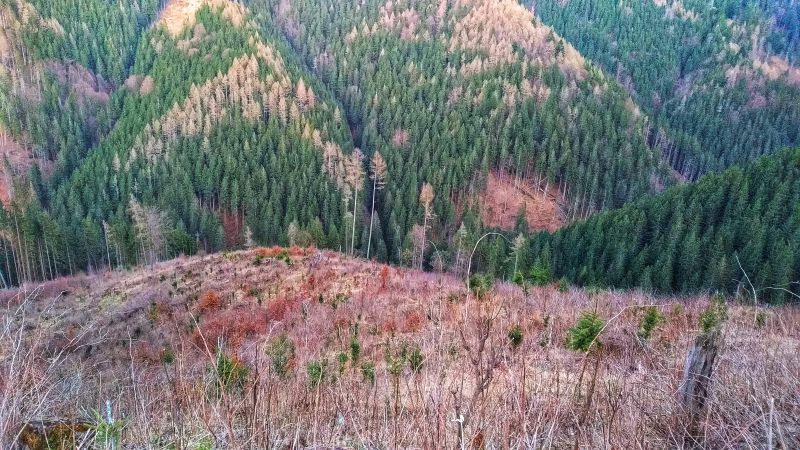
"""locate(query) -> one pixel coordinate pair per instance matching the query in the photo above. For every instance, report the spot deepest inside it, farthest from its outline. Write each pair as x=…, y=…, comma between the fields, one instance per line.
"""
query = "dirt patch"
x=506, y=197
x=83, y=82
x=179, y=14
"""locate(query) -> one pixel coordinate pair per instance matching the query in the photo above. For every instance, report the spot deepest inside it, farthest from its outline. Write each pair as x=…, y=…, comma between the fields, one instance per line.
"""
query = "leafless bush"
x=31, y=353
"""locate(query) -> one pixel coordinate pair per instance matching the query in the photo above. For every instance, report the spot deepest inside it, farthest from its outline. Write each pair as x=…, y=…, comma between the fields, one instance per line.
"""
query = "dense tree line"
x=203, y=175
x=702, y=70
x=730, y=232
x=101, y=35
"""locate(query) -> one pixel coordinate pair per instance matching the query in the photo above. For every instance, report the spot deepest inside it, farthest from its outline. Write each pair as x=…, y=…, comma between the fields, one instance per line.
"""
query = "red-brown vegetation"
x=209, y=301
x=412, y=322
x=277, y=308
x=269, y=252
x=424, y=346
x=506, y=197
x=233, y=327
x=85, y=84
x=384, y=275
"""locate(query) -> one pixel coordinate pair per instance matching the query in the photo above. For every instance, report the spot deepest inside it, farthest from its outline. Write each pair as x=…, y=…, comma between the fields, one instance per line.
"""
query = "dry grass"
x=147, y=341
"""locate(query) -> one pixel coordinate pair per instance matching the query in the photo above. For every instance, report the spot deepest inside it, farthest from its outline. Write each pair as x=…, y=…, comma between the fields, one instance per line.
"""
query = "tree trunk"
x=372, y=215
x=424, y=233
x=353, y=237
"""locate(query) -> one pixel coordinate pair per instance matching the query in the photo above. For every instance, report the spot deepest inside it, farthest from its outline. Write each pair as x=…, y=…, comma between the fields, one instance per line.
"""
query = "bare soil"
x=180, y=14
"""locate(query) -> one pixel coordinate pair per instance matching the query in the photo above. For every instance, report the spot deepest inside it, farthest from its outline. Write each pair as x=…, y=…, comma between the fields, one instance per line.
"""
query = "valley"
x=236, y=224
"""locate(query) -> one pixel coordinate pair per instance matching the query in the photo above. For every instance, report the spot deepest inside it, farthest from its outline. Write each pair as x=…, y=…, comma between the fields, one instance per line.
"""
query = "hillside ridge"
x=313, y=337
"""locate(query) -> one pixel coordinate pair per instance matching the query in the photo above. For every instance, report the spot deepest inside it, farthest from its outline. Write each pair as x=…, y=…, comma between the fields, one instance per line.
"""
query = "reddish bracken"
x=384, y=274
x=269, y=252
x=231, y=327
x=297, y=252
x=311, y=281
x=209, y=301
x=412, y=322
x=389, y=326
x=531, y=388
x=278, y=308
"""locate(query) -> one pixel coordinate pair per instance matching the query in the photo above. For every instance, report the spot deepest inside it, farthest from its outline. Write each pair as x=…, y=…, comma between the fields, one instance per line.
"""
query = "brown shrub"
x=389, y=325
x=296, y=251
x=384, y=274
x=209, y=301
x=278, y=308
x=413, y=322
x=145, y=352
x=269, y=252
x=233, y=327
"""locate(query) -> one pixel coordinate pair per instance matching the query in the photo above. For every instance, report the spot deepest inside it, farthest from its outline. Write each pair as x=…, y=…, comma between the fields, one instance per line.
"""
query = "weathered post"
x=697, y=379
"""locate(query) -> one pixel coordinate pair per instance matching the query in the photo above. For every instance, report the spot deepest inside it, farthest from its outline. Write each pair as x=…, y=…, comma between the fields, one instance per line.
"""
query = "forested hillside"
x=60, y=60
x=462, y=224
x=446, y=91
x=735, y=232
x=218, y=140
x=720, y=79
x=179, y=133
x=402, y=131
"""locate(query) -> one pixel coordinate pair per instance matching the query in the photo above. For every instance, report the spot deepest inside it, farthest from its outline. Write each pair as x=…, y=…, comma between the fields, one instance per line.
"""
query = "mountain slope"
x=720, y=79
x=59, y=60
x=295, y=347
x=216, y=136
x=219, y=139
x=446, y=91
x=733, y=232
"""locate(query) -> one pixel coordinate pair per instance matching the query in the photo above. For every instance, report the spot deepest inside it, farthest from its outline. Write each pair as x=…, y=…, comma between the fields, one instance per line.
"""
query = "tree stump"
x=697, y=379
x=52, y=434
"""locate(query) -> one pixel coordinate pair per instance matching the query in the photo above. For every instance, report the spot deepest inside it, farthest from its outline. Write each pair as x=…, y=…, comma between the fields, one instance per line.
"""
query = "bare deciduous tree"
x=426, y=198
x=378, y=168
x=149, y=224
x=355, y=178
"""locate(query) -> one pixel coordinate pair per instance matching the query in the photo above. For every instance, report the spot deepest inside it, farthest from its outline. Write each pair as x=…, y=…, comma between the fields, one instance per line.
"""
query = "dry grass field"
x=299, y=348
